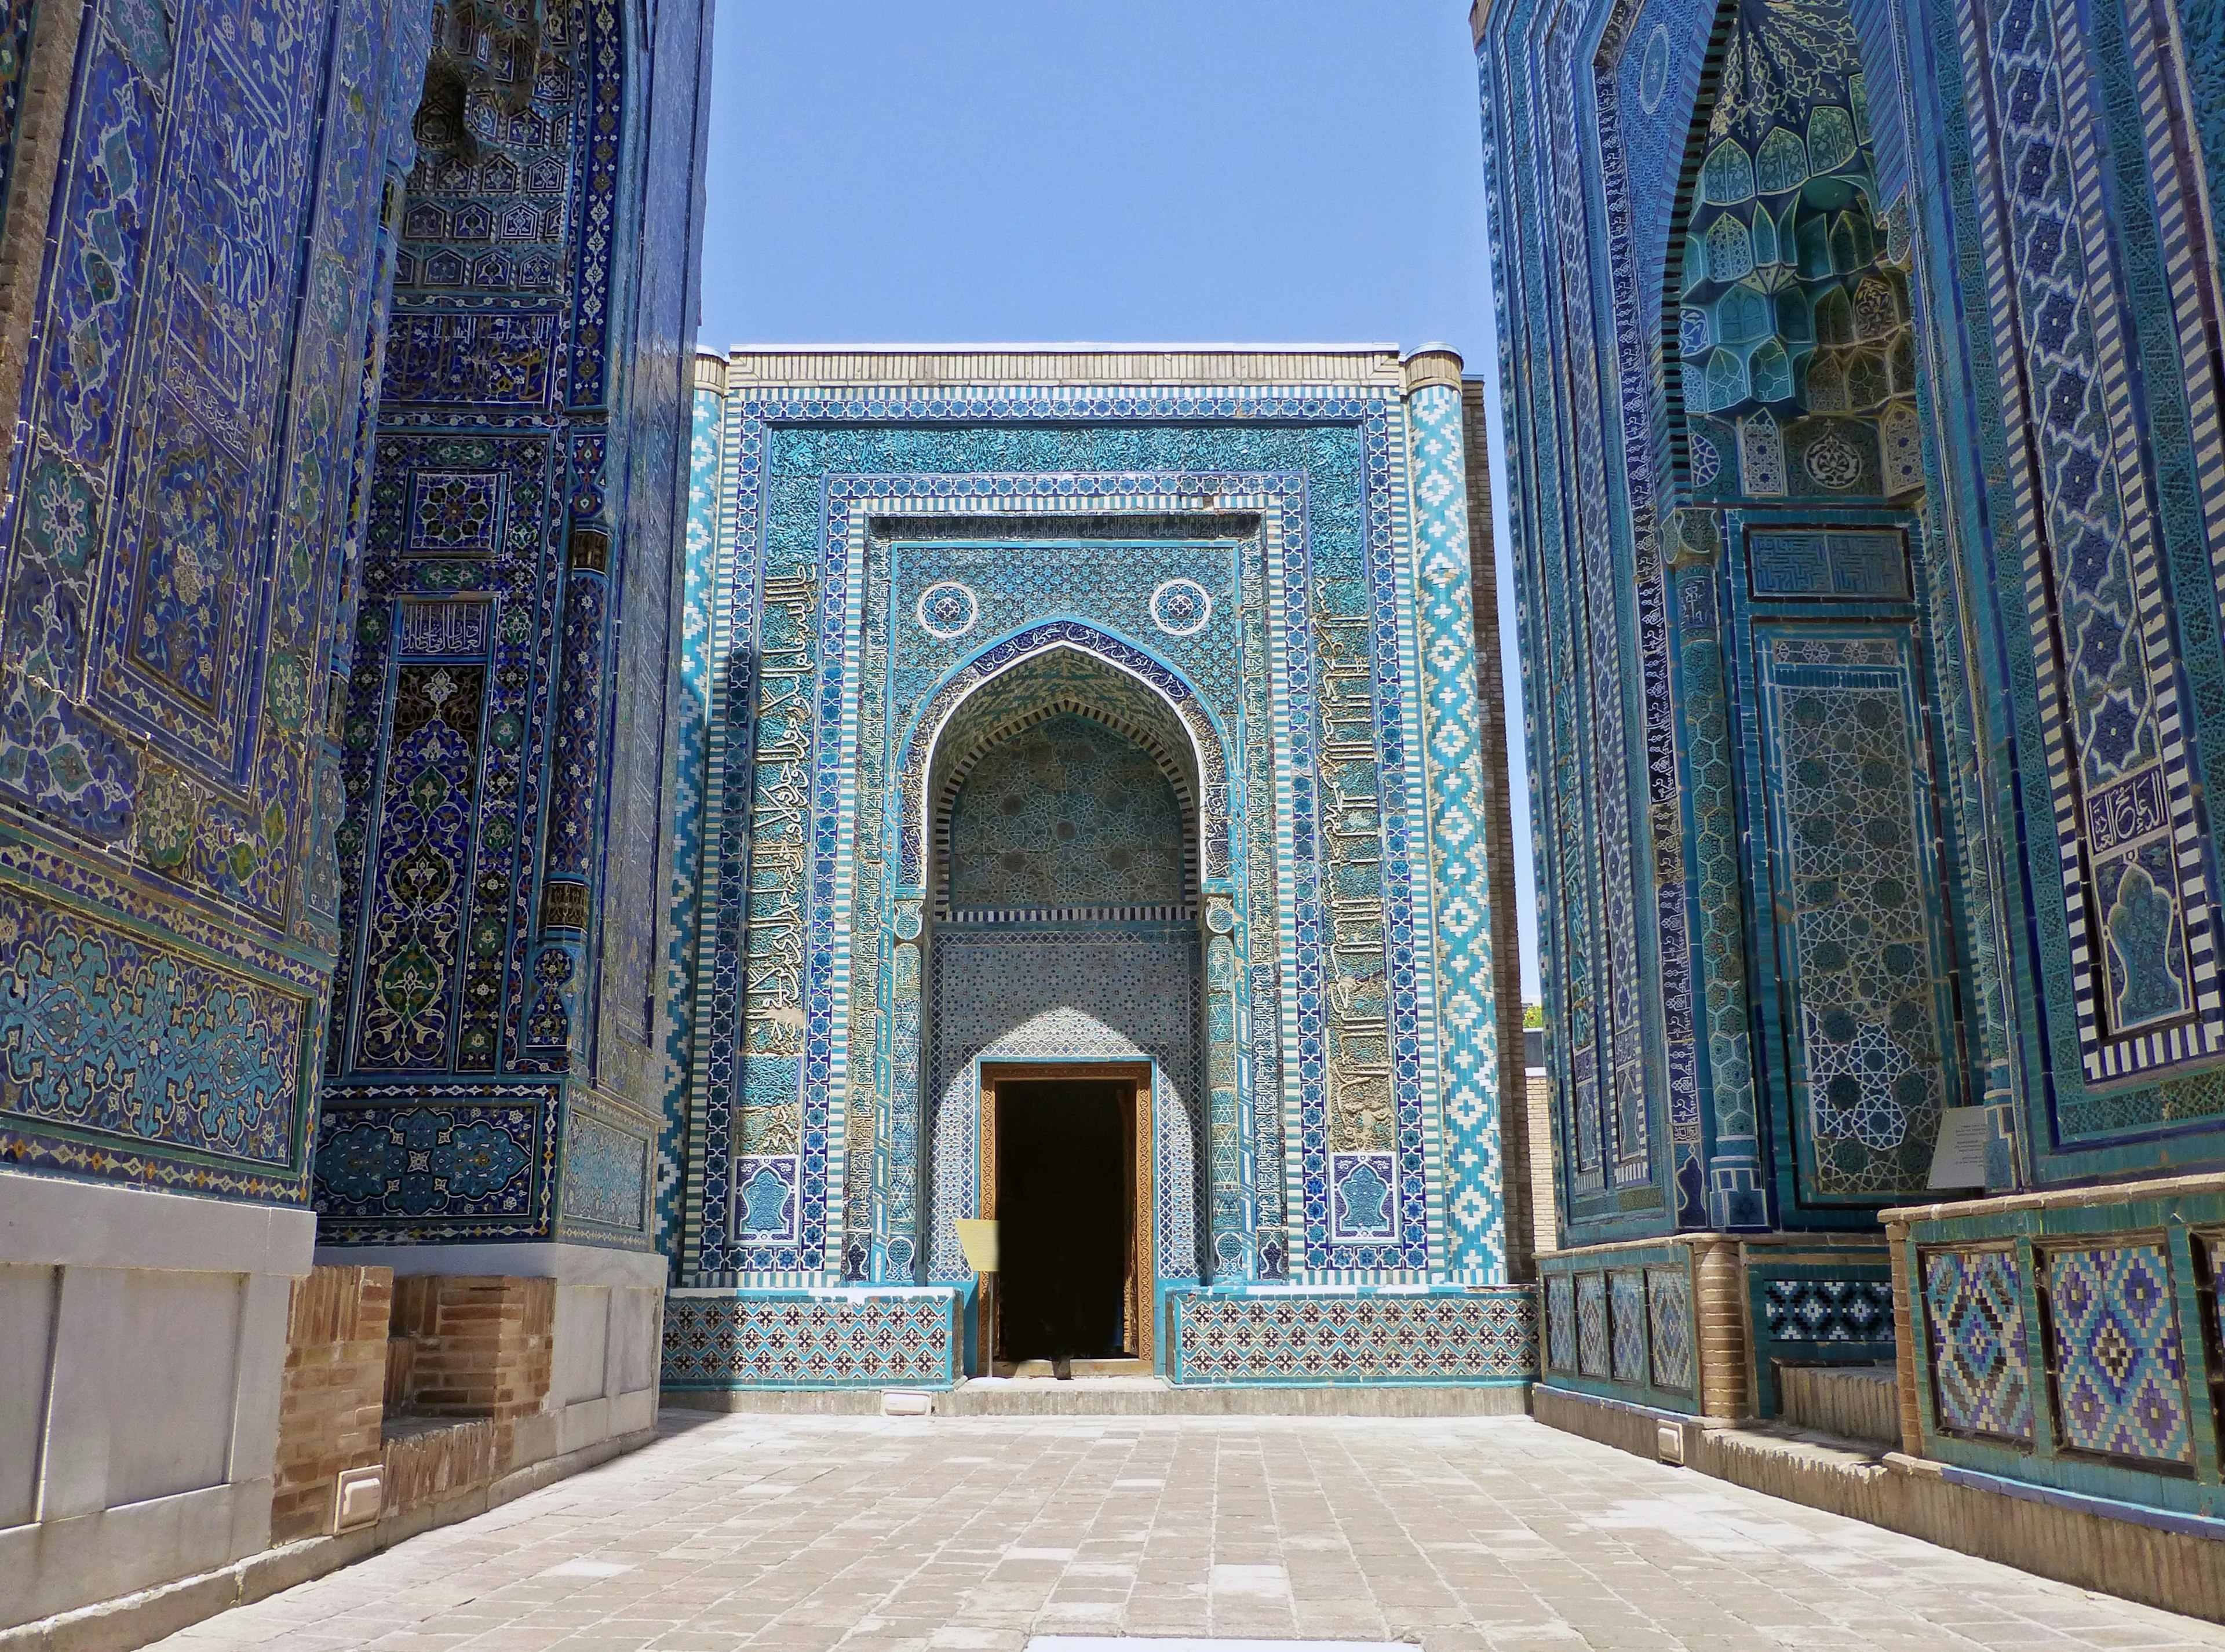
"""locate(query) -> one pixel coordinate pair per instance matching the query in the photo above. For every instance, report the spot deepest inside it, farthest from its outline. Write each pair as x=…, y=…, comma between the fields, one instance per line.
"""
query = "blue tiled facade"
x=1077, y=721
x=1858, y=364
x=340, y=457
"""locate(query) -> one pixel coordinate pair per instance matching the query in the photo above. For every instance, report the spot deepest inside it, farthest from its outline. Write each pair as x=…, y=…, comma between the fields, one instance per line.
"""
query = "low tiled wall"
x=2070, y=1339
x=1481, y=1335
x=861, y=1337
x=1695, y=1323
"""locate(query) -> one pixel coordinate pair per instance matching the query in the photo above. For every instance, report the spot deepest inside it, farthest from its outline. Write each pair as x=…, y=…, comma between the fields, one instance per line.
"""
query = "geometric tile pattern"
x=1475, y=1337
x=1669, y=1321
x=188, y=403
x=1561, y=1321
x=682, y=906
x=1828, y=1310
x=1626, y=1302
x=1046, y=995
x=1591, y=1325
x=605, y=1171
x=862, y=647
x=2119, y=1376
x=1467, y=1029
x=1856, y=889
x=1066, y=816
x=1975, y=1314
x=2137, y=891
x=796, y=1341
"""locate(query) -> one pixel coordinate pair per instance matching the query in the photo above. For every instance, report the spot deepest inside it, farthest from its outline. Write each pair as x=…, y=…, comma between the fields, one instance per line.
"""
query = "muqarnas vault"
x=1861, y=367
x=1094, y=786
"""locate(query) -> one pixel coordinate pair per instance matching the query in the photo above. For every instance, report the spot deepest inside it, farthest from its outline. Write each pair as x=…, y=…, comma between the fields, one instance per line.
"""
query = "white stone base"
x=143, y=1340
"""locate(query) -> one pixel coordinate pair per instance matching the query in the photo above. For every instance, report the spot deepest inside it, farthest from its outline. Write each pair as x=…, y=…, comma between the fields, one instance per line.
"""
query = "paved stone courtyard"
x=796, y=1533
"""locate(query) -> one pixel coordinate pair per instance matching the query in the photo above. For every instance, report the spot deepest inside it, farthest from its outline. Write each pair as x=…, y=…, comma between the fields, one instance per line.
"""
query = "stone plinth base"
x=2176, y=1562
x=143, y=1347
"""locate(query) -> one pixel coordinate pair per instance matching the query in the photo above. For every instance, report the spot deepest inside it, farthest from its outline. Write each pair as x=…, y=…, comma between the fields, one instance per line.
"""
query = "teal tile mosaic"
x=2119, y=1382
x=1627, y=1318
x=1479, y=1336
x=1670, y=1338
x=1592, y=1329
x=1561, y=1322
x=1975, y=1315
x=785, y=1340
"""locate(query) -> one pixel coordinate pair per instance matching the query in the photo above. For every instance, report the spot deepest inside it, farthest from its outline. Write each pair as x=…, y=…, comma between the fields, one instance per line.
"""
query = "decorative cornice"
x=1370, y=365
x=1433, y=364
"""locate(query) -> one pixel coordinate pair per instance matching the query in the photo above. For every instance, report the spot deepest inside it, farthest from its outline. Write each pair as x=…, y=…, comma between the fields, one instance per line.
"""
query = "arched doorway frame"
x=912, y=1237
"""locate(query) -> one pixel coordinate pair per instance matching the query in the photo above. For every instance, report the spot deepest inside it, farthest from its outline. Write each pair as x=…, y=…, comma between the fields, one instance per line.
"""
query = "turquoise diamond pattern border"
x=1453, y=765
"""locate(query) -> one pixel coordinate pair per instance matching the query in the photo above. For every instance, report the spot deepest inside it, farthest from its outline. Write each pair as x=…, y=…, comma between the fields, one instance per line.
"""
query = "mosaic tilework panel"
x=445, y=760
x=605, y=1174
x=1627, y=1316
x=795, y=1341
x=1069, y=815
x=1854, y=884
x=1975, y=1316
x=1457, y=835
x=1828, y=1310
x=1479, y=1337
x=1592, y=1333
x=186, y=448
x=2099, y=482
x=1670, y=1339
x=814, y=469
x=454, y=1165
x=1049, y=996
x=682, y=905
x=1561, y=1321
x=124, y=1055
x=2119, y=1377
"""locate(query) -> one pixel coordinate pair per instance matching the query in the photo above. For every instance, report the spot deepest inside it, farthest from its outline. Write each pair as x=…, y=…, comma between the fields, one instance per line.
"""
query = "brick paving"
x=800, y=1534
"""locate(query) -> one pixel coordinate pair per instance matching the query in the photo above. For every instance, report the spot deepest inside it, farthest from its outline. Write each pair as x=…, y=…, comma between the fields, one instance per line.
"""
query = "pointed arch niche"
x=1069, y=808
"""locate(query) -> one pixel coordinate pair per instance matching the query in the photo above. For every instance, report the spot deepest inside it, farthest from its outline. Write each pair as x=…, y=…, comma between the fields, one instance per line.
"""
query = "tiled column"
x=1459, y=851
x=897, y=1239
x=1719, y=1319
x=1231, y=1240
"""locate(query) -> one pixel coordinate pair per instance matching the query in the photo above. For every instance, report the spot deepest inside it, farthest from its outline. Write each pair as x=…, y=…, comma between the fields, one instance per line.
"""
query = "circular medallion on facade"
x=907, y=922
x=1180, y=607
x=1833, y=462
x=1220, y=918
x=948, y=608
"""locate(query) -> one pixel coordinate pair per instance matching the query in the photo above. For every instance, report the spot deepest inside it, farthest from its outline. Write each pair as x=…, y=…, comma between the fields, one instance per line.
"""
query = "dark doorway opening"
x=1063, y=1201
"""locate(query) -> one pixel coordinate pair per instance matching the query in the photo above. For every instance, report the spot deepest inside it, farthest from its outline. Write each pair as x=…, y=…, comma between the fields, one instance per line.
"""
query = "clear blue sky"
x=1162, y=171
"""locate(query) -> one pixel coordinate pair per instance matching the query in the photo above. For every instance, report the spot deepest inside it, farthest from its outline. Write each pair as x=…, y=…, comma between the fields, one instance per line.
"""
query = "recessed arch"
x=1204, y=765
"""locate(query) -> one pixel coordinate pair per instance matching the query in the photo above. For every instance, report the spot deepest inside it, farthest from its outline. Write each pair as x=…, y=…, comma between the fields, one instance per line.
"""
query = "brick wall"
x=480, y=1347
x=331, y=1398
x=1516, y=1172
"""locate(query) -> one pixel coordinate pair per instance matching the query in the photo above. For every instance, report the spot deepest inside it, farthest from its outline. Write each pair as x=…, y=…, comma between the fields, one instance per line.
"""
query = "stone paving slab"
x=806, y=1534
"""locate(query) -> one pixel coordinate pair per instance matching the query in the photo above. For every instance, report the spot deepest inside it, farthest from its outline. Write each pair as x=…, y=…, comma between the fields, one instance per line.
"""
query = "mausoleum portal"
x=1075, y=724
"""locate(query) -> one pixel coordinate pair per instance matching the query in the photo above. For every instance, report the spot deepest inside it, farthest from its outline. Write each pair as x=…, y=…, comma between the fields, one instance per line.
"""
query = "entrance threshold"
x=1029, y=1370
